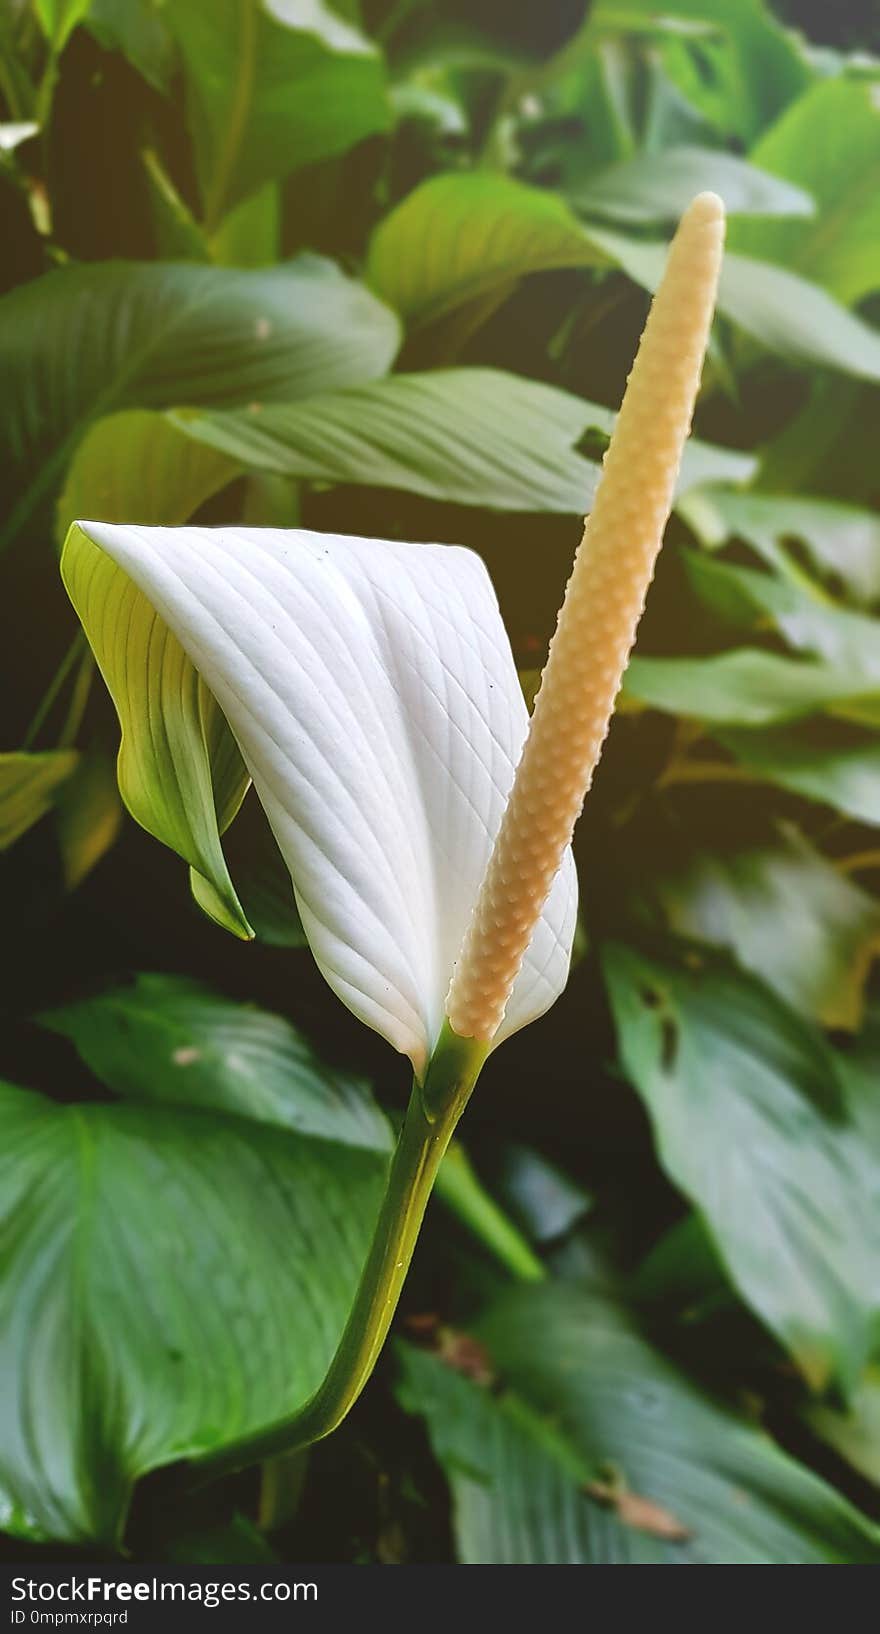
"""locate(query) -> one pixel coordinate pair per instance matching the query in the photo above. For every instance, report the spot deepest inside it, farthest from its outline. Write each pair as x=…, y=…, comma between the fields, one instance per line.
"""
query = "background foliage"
x=379, y=266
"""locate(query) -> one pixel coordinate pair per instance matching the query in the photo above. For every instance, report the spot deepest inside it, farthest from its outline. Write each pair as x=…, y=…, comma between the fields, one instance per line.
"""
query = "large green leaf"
x=841, y=541
x=462, y=236
x=745, y=687
x=271, y=88
x=789, y=915
x=473, y=436
x=180, y=770
x=840, y=248
x=844, y=775
x=752, y=1125
x=136, y=466
x=29, y=786
x=655, y=187
x=800, y=611
x=86, y=340
x=168, y=1039
x=738, y=66
x=596, y=1450
x=171, y=1279
x=139, y=31
x=784, y=312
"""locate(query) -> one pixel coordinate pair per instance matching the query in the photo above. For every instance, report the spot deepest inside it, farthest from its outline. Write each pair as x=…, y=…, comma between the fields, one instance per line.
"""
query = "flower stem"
x=435, y=1107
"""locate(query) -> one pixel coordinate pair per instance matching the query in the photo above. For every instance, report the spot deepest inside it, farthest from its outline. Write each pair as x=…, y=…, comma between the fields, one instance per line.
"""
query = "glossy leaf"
x=656, y=187
x=86, y=340
x=784, y=312
x=789, y=915
x=842, y=774
x=173, y=1278
x=271, y=88
x=373, y=693
x=751, y=1125
x=841, y=541
x=744, y=687
x=595, y=1450
x=169, y=1040
x=459, y=237
x=470, y=436
x=840, y=248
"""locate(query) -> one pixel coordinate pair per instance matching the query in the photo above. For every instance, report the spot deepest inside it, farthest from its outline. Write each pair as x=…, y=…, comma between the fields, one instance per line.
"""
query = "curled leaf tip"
x=596, y=627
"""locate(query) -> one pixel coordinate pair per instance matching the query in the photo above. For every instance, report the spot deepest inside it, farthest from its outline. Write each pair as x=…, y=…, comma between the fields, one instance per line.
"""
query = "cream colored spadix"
x=597, y=624
x=374, y=697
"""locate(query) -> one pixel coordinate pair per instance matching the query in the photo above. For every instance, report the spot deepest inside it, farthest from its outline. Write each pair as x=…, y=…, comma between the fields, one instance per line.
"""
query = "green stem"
x=237, y=121
x=70, y=657
x=433, y=1112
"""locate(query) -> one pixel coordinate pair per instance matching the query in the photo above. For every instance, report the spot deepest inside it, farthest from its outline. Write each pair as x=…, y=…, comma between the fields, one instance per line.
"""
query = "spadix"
x=373, y=695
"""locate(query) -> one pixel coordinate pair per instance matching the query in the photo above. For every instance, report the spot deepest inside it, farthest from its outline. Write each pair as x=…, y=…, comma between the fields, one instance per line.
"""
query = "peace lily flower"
x=369, y=691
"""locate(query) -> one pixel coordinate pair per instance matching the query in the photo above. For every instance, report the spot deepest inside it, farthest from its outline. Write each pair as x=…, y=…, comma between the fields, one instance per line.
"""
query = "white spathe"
x=373, y=693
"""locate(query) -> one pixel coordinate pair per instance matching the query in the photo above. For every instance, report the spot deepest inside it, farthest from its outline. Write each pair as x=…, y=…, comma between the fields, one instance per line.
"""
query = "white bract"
x=374, y=697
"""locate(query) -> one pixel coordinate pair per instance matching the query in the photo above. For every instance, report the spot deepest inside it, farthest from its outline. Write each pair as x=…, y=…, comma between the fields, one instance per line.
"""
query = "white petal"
x=373, y=693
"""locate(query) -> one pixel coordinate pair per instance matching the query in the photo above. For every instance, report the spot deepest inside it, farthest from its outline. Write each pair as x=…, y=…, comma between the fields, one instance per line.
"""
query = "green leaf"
x=784, y=312
x=462, y=236
x=86, y=340
x=137, y=29
x=750, y=1124
x=799, y=610
x=172, y=1279
x=841, y=541
x=844, y=775
x=169, y=1039
x=588, y=1410
x=840, y=248
x=136, y=466
x=655, y=187
x=472, y=436
x=180, y=770
x=744, y=687
x=29, y=786
x=739, y=71
x=59, y=18
x=271, y=89
x=788, y=915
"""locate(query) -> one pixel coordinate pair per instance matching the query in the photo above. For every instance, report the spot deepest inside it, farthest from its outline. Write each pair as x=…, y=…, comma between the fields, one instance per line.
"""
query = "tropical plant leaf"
x=180, y=772
x=173, y=1279
x=752, y=1125
x=372, y=689
x=595, y=1450
x=86, y=340
x=30, y=784
x=471, y=436
x=734, y=63
x=789, y=915
x=800, y=611
x=462, y=236
x=474, y=436
x=655, y=187
x=840, y=248
x=271, y=88
x=841, y=541
x=853, y=1435
x=784, y=312
x=745, y=687
x=137, y=466
x=844, y=775
x=139, y=31
x=172, y=1041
